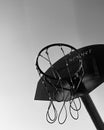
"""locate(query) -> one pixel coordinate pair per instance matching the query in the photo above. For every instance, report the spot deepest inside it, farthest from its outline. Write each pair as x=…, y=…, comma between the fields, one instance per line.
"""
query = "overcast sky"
x=26, y=26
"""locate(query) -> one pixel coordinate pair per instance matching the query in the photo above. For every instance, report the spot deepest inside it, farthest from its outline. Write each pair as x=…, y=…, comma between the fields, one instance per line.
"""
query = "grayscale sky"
x=26, y=26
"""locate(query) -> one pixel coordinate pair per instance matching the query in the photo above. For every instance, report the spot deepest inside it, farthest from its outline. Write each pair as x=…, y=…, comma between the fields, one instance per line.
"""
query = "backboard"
x=93, y=65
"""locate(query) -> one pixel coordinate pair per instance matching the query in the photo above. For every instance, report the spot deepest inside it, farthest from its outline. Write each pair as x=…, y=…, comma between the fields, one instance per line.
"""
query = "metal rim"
x=46, y=48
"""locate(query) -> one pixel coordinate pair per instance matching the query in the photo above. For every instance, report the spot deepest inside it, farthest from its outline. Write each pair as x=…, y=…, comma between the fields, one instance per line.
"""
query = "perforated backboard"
x=93, y=64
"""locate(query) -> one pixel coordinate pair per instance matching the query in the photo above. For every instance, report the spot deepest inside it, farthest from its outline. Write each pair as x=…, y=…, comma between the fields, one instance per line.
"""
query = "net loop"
x=48, y=113
x=63, y=108
x=74, y=109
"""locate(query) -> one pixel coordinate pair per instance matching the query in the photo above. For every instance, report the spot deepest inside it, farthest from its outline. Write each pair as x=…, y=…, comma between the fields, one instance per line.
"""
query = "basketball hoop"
x=61, y=78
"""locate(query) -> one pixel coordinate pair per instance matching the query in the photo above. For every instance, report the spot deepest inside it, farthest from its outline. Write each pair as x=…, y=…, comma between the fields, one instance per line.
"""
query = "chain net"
x=62, y=84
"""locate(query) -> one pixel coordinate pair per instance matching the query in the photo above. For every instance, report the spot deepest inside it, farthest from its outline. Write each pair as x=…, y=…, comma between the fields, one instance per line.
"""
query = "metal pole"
x=88, y=103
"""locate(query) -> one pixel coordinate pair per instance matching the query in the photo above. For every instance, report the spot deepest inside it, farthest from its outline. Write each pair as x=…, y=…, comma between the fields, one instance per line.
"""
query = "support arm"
x=91, y=109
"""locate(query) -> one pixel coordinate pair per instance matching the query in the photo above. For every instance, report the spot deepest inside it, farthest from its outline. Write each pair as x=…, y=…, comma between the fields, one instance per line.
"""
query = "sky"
x=26, y=26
